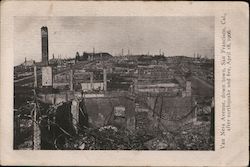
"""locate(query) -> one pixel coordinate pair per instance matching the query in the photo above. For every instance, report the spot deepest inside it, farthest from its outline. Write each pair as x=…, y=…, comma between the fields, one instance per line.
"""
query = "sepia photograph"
x=124, y=83
x=114, y=83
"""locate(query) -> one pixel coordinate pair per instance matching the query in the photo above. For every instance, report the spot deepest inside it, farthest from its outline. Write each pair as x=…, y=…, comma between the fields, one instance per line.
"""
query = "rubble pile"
x=106, y=138
x=195, y=137
x=142, y=121
x=190, y=137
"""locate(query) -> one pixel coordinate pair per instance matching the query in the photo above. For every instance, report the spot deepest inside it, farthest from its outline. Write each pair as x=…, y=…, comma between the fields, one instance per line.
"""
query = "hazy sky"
x=173, y=35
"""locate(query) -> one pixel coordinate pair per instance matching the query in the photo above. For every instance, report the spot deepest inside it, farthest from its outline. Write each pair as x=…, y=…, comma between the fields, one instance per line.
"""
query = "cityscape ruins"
x=97, y=101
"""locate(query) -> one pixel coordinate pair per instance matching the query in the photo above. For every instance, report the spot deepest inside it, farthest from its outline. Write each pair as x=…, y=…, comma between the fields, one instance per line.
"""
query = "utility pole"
x=71, y=80
x=36, y=128
x=35, y=77
x=105, y=79
x=91, y=80
x=160, y=114
x=75, y=114
x=93, y=53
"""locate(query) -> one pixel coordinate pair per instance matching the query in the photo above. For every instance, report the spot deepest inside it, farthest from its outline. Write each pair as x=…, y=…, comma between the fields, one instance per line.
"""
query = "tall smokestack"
x=45, y=46
x=104, y=79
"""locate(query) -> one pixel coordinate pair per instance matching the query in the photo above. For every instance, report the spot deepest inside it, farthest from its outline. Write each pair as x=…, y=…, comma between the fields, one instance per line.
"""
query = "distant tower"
x=45, y=46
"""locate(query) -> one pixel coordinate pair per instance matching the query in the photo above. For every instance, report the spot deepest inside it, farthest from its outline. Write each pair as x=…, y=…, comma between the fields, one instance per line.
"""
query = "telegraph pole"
x=93, y=53
x=104, y=79
x=35, y=77
x=71, y=79
x=36, y=128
